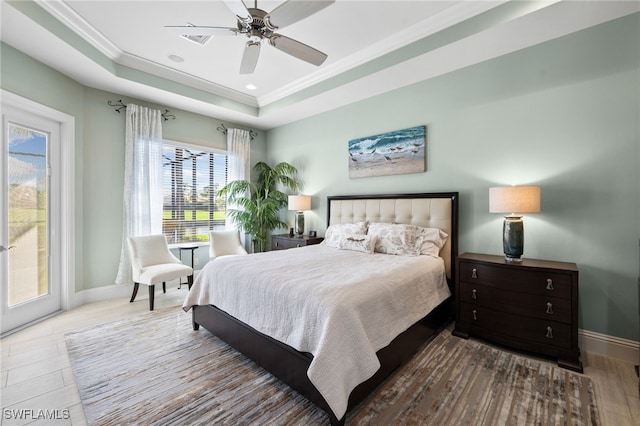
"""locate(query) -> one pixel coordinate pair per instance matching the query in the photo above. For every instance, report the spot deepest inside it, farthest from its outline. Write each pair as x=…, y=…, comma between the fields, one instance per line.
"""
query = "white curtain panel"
x=142, y=213
x=238, y=153
x=238, y=157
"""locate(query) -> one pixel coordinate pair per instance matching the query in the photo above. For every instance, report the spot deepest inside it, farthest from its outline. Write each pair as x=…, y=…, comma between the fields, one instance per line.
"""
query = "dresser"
x=286, y=241
x=530, y=306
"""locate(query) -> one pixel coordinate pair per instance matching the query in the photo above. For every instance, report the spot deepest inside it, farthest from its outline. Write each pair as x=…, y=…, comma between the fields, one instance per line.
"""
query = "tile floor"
x=36, y=374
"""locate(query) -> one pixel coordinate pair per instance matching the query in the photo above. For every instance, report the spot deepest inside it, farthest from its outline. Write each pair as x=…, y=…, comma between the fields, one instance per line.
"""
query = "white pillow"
x=395, y=238
x=336, y=233
x=431, y=241
x=362, y=243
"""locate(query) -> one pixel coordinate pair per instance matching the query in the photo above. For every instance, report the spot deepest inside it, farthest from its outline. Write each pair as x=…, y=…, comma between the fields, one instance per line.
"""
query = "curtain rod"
x=120, y=106
x=222, y=129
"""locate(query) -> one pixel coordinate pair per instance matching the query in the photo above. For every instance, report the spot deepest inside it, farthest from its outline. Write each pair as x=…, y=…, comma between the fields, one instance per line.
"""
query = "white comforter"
x=341, y=306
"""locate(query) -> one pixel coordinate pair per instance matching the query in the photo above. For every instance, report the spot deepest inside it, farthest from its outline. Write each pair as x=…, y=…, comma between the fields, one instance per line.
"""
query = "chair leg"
x=164, y=287
x=189, y=281
x=152, y=290
x=135, y=292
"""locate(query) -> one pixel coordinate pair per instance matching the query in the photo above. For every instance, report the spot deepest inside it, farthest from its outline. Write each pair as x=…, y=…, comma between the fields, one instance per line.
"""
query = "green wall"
x=100, y=156
x=563, y=115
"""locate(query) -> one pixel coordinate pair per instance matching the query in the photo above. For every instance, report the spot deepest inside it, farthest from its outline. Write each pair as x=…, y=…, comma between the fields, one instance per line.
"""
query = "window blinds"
x=191, y=180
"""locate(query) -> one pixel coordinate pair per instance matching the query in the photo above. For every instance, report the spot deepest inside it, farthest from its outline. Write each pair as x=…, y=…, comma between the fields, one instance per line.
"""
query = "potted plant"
x=254, y=206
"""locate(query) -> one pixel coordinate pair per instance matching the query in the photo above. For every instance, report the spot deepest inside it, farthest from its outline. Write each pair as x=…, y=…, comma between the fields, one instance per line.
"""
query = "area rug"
x=154, y=369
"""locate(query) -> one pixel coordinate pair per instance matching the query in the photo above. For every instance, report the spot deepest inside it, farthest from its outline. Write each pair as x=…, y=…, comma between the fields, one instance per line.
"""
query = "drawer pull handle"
x=549, y=333
x=550, y=284
x=474, y=294
x=474, y=273
x=277, y=244
x=475, y=314
x=549, y=308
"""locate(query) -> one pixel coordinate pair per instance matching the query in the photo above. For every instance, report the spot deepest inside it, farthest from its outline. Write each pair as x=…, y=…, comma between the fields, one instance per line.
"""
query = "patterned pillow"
x=336, y=233
x=395, y=238
x=363, y=243
x=431, y=241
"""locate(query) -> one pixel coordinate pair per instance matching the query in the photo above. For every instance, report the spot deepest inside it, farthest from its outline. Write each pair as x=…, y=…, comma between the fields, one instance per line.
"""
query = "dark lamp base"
x=299, y=223
x=513, y=238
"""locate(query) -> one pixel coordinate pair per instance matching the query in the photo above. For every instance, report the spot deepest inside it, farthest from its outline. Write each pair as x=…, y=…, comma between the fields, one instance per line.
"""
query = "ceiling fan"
x=259, y=25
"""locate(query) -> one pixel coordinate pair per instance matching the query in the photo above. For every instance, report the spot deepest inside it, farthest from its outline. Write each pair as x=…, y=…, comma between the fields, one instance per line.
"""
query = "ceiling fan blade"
x=240, y=10
x=203, y=31
x=250, y=57
x=297, y=49
x=293, y=11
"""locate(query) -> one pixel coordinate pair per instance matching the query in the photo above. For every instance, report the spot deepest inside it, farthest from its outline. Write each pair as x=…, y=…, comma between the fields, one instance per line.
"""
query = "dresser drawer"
x=513, y=279
x=530, y=305
x=494, y=324
x=285, y=241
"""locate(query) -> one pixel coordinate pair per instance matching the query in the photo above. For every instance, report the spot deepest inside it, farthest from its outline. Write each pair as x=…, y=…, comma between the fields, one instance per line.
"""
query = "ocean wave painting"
x=392, y=153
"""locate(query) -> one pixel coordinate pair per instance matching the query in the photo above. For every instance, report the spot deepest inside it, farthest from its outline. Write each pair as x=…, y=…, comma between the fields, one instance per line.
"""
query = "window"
x=191, y=180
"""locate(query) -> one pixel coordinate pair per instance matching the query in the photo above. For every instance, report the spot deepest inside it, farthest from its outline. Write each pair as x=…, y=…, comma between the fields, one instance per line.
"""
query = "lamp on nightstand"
x=299, y=203
x=514, y=200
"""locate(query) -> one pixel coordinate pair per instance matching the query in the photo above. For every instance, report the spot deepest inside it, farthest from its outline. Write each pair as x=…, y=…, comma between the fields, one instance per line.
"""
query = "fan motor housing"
x=258, y=28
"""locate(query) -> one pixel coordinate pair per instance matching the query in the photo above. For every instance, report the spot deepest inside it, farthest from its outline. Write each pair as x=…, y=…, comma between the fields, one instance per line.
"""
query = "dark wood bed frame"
x=290, y=365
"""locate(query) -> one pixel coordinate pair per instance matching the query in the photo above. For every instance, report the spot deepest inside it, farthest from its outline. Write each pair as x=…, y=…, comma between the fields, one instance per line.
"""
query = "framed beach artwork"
x=392, y=153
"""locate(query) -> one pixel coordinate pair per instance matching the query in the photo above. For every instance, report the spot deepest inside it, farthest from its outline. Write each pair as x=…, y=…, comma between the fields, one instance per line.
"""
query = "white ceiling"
x=372, y=47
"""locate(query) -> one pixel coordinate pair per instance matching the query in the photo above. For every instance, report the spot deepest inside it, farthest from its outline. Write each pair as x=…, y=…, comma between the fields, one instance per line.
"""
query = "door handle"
x=3, y=248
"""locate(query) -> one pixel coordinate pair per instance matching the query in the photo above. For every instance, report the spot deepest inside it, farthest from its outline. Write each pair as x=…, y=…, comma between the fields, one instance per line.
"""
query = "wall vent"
x=200, y=39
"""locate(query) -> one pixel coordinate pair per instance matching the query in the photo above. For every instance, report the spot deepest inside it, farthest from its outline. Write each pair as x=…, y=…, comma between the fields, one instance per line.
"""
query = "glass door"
x=28, y=290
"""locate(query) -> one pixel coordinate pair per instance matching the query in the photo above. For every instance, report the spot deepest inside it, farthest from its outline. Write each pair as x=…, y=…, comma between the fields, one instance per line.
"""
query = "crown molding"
x=65, y=14
x=159, y=70
x=420, y=30
x=450, y=16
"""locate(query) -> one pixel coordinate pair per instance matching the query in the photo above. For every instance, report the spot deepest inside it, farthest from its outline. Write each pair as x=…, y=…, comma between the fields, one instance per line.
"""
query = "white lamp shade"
x=299, y=202
x=514, y=199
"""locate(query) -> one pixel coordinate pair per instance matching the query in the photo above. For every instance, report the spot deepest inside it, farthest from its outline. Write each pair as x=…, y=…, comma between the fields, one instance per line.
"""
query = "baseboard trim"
x=615, y=347
x=99, y=294
x=108, y=292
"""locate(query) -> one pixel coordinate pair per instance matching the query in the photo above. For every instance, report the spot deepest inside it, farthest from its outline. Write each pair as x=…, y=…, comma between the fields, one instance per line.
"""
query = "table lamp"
x=514, y=200
x=299, y=203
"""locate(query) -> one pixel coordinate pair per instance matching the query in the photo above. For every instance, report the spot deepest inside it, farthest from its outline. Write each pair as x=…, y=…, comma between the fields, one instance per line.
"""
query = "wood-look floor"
x=36, y=374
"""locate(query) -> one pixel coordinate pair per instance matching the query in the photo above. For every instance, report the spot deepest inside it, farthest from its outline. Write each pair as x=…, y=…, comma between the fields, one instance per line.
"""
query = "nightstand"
x=530, y=306
x=285, y=241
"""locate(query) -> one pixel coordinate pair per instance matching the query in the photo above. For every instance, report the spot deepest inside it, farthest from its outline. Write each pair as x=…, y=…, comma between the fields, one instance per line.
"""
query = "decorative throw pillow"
x=363, y=243
x=431, y=241
x=336, y=233
x=395, y=238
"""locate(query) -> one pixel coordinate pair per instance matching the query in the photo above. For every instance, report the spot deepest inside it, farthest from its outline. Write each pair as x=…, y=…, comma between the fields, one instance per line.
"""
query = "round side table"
x=190, y=247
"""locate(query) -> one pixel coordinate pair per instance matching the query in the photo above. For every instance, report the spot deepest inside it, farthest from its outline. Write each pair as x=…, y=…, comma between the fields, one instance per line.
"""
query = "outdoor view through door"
x=28, y=214
x=191, y=179
x=37, y=205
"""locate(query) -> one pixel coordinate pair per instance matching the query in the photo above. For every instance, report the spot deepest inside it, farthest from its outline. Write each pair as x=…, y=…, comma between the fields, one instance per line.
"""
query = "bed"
x=313, y=313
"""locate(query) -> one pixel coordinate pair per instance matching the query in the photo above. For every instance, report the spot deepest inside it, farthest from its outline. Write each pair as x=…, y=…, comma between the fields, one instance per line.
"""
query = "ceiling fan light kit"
x=259, y=25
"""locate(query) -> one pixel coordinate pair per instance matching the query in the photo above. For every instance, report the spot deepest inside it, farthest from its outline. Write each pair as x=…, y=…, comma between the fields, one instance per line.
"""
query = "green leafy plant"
x=254, y=206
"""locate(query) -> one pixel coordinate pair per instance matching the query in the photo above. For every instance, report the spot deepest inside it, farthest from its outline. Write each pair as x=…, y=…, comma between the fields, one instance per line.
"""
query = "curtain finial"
x=223, y=129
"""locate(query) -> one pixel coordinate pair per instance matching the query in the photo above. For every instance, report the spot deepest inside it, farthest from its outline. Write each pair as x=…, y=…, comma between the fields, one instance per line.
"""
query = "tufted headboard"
x=431, y=210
